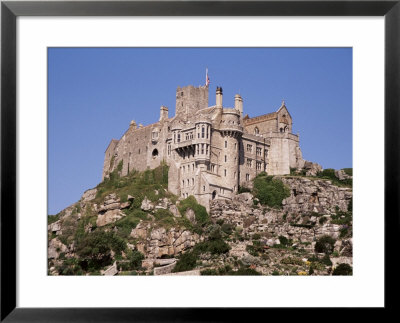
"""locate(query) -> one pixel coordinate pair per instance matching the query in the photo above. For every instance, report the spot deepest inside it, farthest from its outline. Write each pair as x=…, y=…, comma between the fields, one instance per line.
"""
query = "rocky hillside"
x=286, y=225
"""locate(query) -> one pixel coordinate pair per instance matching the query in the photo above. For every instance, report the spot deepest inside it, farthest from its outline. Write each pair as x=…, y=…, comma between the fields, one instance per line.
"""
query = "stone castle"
x=210, y=150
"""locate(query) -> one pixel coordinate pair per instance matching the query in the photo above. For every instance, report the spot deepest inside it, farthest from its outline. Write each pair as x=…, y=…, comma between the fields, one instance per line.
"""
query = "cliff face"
x=124, y=234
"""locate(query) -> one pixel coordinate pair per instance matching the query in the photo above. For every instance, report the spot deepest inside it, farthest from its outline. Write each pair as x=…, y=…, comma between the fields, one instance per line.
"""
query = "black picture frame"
x=10, y=10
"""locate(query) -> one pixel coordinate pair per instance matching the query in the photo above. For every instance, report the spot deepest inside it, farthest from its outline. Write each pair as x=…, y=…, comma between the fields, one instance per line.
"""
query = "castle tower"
x=189, y=99
x=231, y=133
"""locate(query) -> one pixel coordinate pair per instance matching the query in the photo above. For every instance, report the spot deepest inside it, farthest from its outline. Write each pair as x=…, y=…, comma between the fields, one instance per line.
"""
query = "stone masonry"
x=210, y=150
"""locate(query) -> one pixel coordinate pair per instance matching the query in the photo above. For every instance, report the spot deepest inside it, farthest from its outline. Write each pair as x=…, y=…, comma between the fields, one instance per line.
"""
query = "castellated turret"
x=211, y=151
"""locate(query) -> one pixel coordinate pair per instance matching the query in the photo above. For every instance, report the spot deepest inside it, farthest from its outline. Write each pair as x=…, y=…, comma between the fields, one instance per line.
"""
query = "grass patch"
x=53, y=218
x=329, y=173
x=270, y=191
x=348, y=171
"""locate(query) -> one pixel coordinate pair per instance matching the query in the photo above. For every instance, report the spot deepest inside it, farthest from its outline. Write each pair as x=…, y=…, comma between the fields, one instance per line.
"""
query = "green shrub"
x=326, y=260
x=69, y=267
x=186, y=261
x=270, y=191
x=256, y=236
x=328, y=173
x=134, y=260
x=220, y=222
x=95, y=248
x=322, y=220
x=245, y=272
x=350, y=206
x=325, y=244
x=227, y=228
x=343, y=270
x=216, y=246
x=344, y=231
x=341, y=217
x=243, y=189
x=285, y=241
x=209, y=272
x=214, y=232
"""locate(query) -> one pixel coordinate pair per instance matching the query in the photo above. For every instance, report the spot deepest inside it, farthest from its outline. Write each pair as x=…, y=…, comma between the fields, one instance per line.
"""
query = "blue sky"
x=95, y=92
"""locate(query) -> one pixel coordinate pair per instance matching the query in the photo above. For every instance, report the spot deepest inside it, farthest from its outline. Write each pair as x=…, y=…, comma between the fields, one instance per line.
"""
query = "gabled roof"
x=284, y=106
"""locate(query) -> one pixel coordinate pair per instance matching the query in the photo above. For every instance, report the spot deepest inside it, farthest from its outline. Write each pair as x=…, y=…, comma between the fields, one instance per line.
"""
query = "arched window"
x=154, y=153
x=256, y=131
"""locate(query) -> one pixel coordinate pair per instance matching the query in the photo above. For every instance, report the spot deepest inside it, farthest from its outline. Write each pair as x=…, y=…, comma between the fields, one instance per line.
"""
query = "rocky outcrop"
x=110, y=210
x=341, y=175
x=55, y=248
x=55, y=227
x=108, y=217
x=312, y=169
x=147, y=205
x=89, y=195
x=174, y=210
x=295, y=221
x=189, y=214
x=319, y=196
x=158, y=242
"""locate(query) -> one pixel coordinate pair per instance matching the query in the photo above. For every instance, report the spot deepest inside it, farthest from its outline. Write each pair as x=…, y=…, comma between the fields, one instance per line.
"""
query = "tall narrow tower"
x=189, y=99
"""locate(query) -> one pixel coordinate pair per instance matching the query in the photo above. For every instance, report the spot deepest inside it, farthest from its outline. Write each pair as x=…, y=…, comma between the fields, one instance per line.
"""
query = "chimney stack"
x=218, y=99
x=239, y=104
x=163, y=113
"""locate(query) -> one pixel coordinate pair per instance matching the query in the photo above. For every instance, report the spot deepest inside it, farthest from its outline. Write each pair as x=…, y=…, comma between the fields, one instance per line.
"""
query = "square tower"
x=189, y=99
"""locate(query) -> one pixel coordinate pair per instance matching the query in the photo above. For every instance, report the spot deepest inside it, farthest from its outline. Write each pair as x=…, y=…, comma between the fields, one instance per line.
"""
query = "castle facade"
x=210, y=150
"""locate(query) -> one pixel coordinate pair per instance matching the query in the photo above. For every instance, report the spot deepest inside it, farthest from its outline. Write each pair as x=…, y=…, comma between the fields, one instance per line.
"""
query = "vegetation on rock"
x=269, y=190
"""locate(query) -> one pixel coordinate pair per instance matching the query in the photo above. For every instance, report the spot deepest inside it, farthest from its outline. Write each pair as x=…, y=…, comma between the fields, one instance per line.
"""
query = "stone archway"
x=214, y=194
